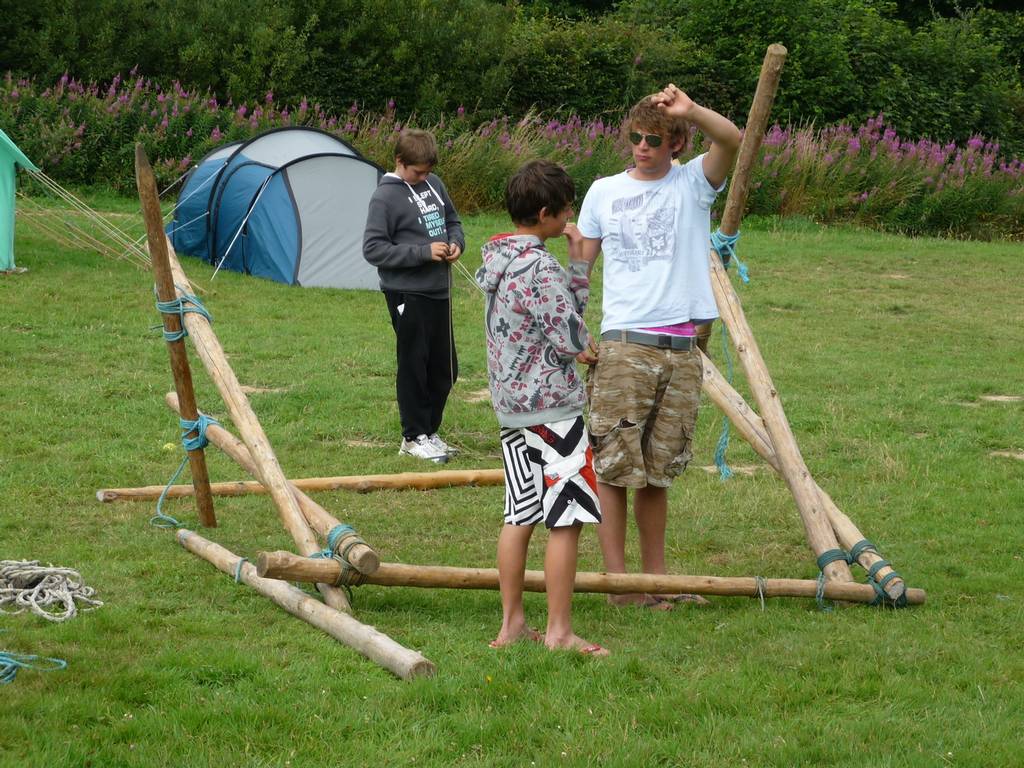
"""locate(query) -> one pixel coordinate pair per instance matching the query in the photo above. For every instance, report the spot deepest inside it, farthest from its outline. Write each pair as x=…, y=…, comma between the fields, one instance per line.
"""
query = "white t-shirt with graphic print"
x=655, y=239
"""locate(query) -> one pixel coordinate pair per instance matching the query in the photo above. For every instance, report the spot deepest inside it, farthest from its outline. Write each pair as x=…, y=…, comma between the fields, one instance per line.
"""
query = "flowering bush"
x=873, y=176
x=85, y=134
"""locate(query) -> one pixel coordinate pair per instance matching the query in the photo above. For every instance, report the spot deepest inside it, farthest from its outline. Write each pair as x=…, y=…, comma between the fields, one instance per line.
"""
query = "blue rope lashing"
x=860, y=548
x=180, y=306
x=200, y=441
x=336, y=533
x=346, y=578
x=726, y=247
x=825, y=558
x=881, y=596
x=10, y=663
x=199, y=426
x=238, y=569
x=724, y=472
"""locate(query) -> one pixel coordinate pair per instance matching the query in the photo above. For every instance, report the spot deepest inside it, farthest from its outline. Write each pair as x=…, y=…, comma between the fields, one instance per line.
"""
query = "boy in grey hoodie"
x=535, y=334
x=412, y=235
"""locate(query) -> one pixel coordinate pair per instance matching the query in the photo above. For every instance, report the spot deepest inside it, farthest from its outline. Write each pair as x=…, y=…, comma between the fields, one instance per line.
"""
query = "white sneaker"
x=423, y=448
x=441, y=445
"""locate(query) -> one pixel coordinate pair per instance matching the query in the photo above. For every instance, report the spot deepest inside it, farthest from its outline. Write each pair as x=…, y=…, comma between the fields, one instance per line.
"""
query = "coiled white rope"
x=52, y=592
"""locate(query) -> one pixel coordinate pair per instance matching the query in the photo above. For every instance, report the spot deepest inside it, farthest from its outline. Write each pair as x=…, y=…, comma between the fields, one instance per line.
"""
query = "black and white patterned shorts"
x=549, y=475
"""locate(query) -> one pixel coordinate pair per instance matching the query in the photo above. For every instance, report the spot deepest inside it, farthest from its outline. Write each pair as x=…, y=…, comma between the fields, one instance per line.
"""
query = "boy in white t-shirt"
x=653, y=224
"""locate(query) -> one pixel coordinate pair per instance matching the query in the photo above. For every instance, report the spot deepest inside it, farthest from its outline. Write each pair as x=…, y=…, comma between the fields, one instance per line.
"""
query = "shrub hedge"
x=948, y=78
x=85, y=134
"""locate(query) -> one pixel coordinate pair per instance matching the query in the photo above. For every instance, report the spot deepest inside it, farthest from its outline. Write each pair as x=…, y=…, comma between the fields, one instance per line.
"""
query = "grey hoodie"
x=534, y=322
x=401, y=223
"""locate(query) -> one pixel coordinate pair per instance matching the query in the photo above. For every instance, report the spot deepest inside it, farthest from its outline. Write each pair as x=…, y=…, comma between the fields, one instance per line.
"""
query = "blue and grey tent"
x=288, y=205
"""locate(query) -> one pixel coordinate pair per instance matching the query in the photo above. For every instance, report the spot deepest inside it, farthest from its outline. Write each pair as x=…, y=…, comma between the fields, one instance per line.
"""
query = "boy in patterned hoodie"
x=535, y=333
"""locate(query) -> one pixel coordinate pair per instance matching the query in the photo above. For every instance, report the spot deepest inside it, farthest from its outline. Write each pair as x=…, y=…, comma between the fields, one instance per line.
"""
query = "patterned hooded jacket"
x=534, y=321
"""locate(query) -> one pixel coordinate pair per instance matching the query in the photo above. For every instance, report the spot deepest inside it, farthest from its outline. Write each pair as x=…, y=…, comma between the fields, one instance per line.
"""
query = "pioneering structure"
x=347, y=561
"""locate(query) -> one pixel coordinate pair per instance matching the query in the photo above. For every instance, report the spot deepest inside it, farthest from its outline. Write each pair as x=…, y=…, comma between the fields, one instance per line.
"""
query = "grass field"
x=898, y=362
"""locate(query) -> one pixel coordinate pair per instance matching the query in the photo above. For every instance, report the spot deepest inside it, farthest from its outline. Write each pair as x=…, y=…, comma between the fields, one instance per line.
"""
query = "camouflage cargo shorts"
x=643, y=410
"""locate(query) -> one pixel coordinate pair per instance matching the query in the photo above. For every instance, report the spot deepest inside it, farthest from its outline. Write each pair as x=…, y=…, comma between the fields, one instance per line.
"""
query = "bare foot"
x=651, y=602
x=526, y=633
x=683, y=598
x=575, y=643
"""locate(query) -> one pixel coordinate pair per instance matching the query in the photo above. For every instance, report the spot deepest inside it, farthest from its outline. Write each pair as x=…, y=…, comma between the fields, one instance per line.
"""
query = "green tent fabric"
x=11, y=158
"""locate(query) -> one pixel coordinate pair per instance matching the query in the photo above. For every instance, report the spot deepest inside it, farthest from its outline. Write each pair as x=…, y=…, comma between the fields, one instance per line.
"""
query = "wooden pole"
x=289, y=567
x=819, y=531
x=753, y=133
x=421, y=481
x=376, y=646
x=150, y=200
x=357, y=552
x=751, y=427
x=269, y=471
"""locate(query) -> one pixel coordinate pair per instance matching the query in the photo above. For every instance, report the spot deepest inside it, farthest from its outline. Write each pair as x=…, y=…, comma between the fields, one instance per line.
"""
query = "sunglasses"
x=653, y=140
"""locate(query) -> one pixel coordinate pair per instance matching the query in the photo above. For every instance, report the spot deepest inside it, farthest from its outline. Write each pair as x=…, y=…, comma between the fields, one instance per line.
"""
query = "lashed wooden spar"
x=374, y=645
x=364, y=639
x=356, y=551
x=269, y=471
x=150, y=200
x=289, y=567
x=751, y=427
x=817, y=527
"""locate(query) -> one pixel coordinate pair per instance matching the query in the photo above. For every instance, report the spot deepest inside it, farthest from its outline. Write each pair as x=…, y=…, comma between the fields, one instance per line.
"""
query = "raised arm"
x=725, y=137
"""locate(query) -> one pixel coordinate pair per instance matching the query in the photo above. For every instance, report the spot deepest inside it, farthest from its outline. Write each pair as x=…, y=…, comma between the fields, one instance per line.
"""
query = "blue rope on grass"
x=726, y=247
x=10, y=663
x=200, y=441
x=179, y=307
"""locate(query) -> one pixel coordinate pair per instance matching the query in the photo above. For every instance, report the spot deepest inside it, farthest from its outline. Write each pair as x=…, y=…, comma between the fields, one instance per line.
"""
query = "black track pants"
x=427, y=365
